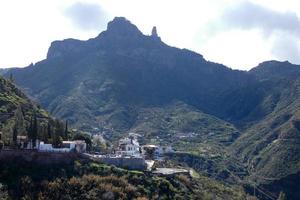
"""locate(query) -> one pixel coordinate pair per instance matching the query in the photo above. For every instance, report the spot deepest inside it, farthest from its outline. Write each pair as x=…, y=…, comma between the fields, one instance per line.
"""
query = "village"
x=127, y=153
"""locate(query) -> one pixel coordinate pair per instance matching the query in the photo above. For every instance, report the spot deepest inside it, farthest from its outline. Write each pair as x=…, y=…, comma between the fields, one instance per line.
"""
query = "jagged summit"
x=122, y=26
x=119, y=31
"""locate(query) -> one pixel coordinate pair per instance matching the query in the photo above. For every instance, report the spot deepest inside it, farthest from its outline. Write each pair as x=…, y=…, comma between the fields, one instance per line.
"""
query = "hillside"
x=88, y=180
x=20, y=116
x=16, y=109
x=124, y=81
x=271, y=145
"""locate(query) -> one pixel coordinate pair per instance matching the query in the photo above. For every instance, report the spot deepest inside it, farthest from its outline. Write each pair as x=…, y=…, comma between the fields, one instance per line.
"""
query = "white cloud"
x=248, y=15
x=87, y=16
x=286, y=47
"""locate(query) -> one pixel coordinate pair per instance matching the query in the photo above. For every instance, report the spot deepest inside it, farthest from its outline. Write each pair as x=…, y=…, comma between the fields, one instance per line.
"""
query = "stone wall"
x=42, y=158
x=123, y=162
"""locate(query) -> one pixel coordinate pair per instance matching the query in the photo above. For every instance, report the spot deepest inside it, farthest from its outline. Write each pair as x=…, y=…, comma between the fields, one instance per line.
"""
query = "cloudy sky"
x=237, y=33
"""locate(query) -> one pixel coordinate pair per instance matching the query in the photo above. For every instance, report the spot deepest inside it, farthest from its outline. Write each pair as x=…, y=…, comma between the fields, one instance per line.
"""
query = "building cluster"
x=131, y=155
x=130, y=146
x=78, y=146
x=126, y=147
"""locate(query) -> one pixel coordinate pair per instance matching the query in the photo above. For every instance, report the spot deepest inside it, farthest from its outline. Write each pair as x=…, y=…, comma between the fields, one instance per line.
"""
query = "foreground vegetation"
x=88, y=180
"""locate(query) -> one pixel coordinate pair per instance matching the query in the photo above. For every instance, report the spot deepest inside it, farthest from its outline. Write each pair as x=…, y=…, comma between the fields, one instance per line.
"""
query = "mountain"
x=123, y=81
x=119, y=74
x=271, y=145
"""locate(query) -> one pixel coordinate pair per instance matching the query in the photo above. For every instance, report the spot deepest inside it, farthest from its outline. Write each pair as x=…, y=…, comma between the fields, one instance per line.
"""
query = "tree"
x=84, y=136
x=19, y=124
x=15, y=135
x=34, y=129
x=49, y=131
x=29, y=129
x=3, y=193
x=99, y=143
x=19, y=120
x=1, y=145
x=282, y=196
x=58, y=133
x=66, y=130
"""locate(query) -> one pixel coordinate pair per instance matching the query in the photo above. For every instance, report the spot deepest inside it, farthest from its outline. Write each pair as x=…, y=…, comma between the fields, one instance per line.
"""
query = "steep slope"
x=19, y=116
x=90, y=180
x=271, y=146
x=179, y=121
x=15, y=106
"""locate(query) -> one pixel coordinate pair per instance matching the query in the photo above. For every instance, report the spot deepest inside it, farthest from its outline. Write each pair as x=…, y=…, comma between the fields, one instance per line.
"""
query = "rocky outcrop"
x=65, y=47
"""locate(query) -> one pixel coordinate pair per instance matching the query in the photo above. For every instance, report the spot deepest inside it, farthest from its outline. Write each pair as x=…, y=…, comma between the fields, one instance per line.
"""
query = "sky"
x=237, y=33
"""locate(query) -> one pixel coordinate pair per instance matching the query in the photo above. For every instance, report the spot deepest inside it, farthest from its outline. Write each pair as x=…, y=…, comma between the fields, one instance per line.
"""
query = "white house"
x=164, y=149
x=78, y=146
x=157, y=151
x=129, y=147
x=49, y=148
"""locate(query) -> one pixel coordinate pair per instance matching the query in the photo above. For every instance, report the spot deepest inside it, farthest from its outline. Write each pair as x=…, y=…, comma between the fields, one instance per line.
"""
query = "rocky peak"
x=154, y=32
x=120, y=26
x=64, y=47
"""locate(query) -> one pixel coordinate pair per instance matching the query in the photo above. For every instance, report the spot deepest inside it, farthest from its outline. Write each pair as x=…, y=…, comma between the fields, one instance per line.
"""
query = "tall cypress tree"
x=15, y=135
x=29, y=129
x=34, y=129
x=19, y=120
x=66, y=130
x=49, y=132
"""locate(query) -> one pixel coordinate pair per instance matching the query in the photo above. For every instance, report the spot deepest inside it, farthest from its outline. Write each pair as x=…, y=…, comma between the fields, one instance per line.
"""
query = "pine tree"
x=19, y=120
x=34, y=129
x=66, y=130
x=49, y=132
x=58, y=133
x=29, y=129
x=282, y=196
x=15, y=135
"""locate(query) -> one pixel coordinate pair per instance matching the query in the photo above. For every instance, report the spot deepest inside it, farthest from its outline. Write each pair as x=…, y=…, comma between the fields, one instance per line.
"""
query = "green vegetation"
x=19, y=116
x=88, y=180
